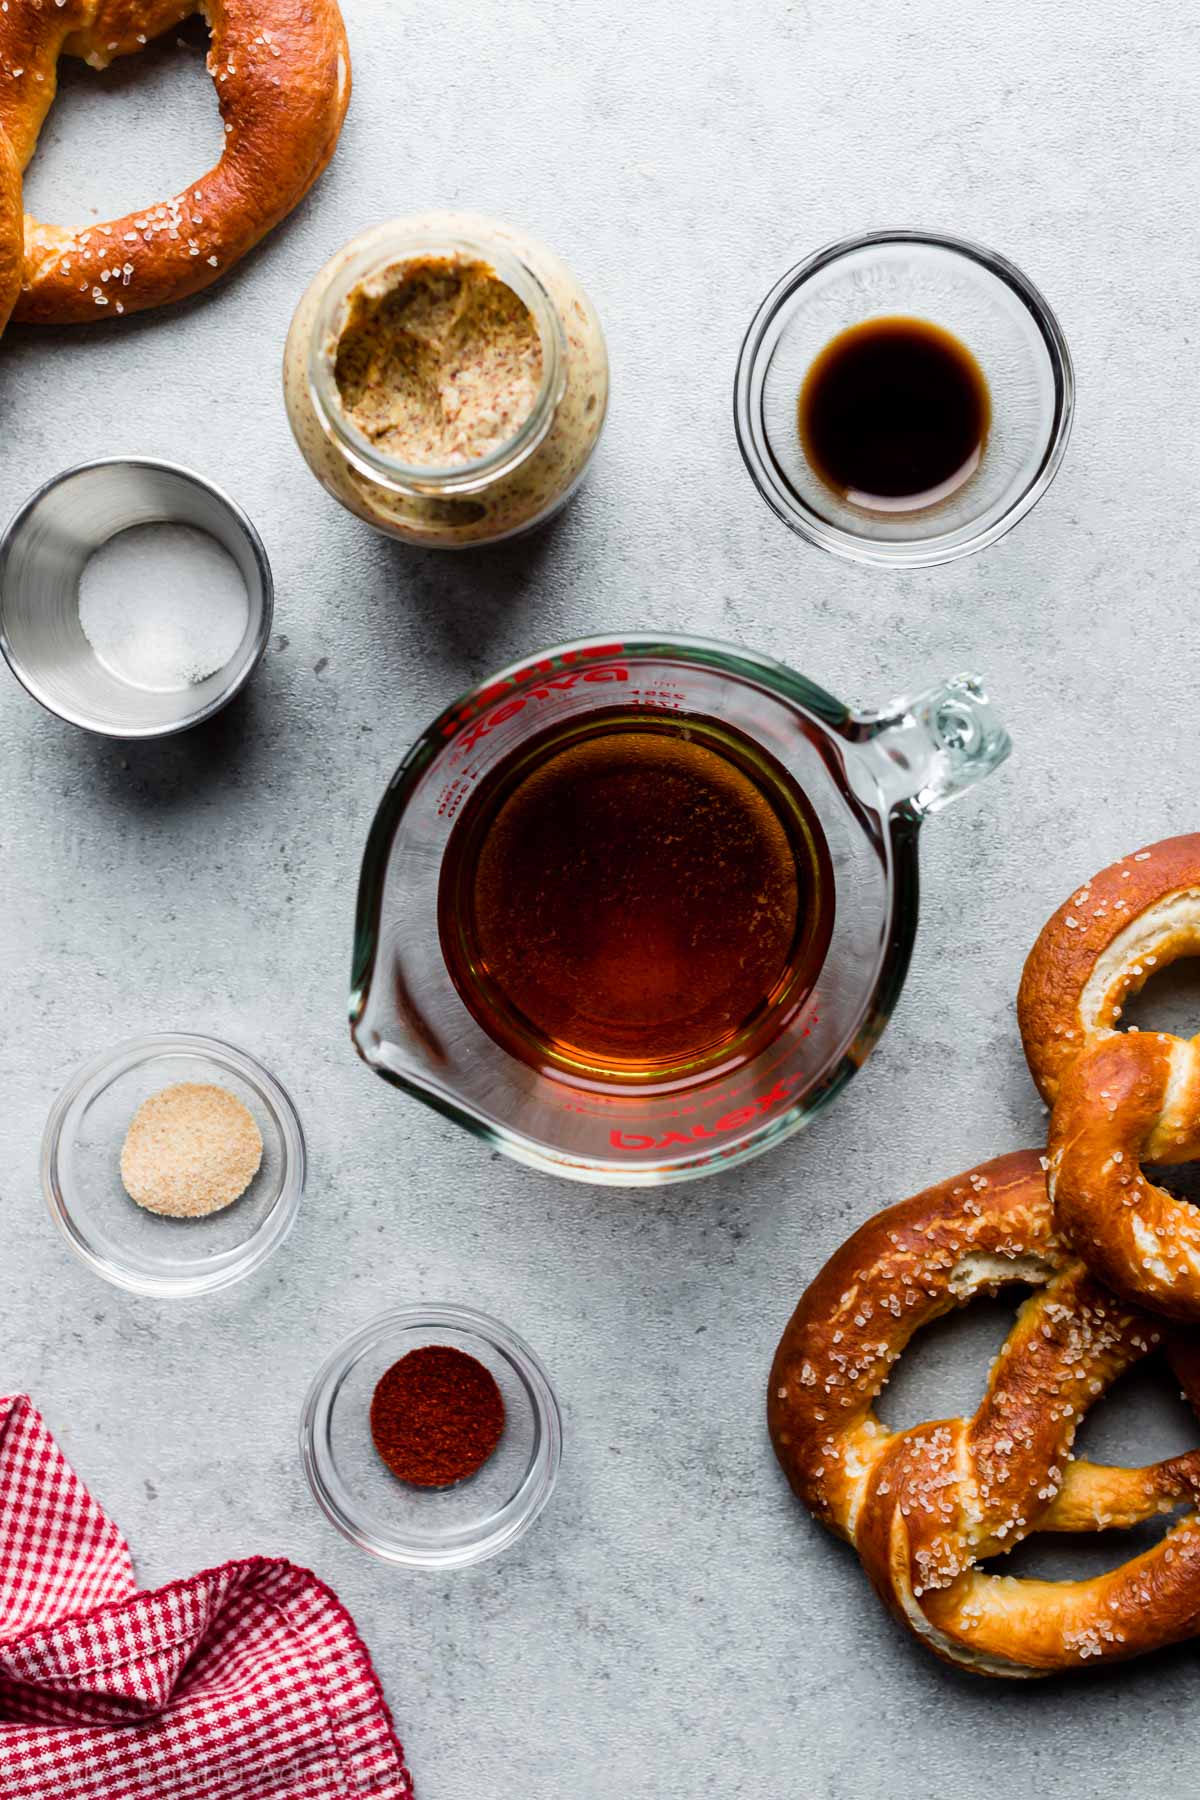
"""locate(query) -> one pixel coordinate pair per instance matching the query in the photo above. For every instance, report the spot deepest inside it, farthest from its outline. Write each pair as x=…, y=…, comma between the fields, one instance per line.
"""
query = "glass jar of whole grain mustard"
x=446, y=379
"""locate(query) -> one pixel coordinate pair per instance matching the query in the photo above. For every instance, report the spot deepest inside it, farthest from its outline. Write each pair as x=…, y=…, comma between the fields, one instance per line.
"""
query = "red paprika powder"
x=436, y=1416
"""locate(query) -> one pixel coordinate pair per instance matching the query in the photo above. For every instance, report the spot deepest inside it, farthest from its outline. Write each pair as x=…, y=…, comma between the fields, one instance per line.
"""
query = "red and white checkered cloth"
x=243, y=1683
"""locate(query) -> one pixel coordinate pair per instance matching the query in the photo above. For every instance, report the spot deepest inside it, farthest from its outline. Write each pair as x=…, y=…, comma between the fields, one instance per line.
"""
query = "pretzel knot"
x=282, y=73
x=924, y=1506
x=1120, y=1099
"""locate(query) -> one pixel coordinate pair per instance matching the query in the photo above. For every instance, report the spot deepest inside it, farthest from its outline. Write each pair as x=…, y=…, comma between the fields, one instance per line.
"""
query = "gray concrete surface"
x=674, y=1627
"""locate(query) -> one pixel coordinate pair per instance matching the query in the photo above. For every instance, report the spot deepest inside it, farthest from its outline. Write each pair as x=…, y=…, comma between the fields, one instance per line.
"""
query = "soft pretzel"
x=11, y=230
x=924, y=1506
x=1101, y=946
x=282, y=74
x=1120, y=1098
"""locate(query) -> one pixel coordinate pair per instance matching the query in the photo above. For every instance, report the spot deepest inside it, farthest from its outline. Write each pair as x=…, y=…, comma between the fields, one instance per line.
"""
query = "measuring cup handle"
x=934, y=746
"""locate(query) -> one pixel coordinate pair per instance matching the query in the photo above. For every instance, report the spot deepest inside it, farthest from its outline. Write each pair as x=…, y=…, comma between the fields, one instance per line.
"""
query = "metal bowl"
x=42, y=555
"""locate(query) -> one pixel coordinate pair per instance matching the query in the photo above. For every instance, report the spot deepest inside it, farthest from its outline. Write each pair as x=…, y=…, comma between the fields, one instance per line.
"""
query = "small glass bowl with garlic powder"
x=173, y=1165
x=191, y=1149
x=446, y=379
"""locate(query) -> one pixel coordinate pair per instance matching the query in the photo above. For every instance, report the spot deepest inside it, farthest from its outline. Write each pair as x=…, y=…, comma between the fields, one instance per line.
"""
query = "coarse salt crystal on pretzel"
x=281, y=69
x=1120, y=1098
x=924, y=1506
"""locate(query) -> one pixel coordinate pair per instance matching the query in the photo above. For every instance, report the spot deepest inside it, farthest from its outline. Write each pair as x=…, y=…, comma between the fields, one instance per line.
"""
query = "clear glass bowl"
x=973, y=293
x=430, y=1528
x=140, y=1250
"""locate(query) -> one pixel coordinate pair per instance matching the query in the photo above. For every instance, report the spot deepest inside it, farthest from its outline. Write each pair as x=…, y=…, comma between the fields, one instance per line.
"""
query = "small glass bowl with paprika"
x=428, y=1526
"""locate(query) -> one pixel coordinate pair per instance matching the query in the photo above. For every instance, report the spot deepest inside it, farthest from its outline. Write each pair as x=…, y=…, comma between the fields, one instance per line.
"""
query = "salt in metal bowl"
x=42, y=556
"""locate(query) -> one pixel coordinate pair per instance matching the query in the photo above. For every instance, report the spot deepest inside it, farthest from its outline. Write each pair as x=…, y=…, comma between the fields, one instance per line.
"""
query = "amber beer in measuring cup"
x=632, y=911
x=636, y=896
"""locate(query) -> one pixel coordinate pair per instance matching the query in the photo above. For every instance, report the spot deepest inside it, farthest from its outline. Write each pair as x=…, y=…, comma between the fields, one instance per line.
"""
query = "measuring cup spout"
x=933, y=746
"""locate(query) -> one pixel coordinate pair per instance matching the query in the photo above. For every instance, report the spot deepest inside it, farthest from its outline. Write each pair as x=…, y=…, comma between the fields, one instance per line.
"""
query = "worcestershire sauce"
x=894, y=414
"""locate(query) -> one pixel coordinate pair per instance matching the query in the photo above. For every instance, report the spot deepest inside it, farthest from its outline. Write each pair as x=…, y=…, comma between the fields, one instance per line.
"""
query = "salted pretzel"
x=1120, y=1098
x=924, y=1506
x=12, y=253
x=281, y=69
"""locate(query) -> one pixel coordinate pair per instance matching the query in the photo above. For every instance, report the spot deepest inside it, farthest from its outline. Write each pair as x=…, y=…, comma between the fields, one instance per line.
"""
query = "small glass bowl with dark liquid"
x=634, y=911
x=903, y=398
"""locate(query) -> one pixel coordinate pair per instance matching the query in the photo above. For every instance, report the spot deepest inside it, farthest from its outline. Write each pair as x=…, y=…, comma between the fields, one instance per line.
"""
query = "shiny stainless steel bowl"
x=42, y=555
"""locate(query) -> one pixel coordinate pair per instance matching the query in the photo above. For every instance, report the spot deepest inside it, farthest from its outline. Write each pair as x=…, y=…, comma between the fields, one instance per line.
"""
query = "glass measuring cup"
x=871, y=778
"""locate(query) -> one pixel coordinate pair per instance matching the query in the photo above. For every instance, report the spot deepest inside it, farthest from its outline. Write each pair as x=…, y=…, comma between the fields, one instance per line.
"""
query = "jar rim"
x=394, y=246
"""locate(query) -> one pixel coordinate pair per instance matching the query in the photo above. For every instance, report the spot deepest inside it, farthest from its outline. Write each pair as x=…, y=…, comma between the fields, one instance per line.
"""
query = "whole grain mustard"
x=446, y=379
